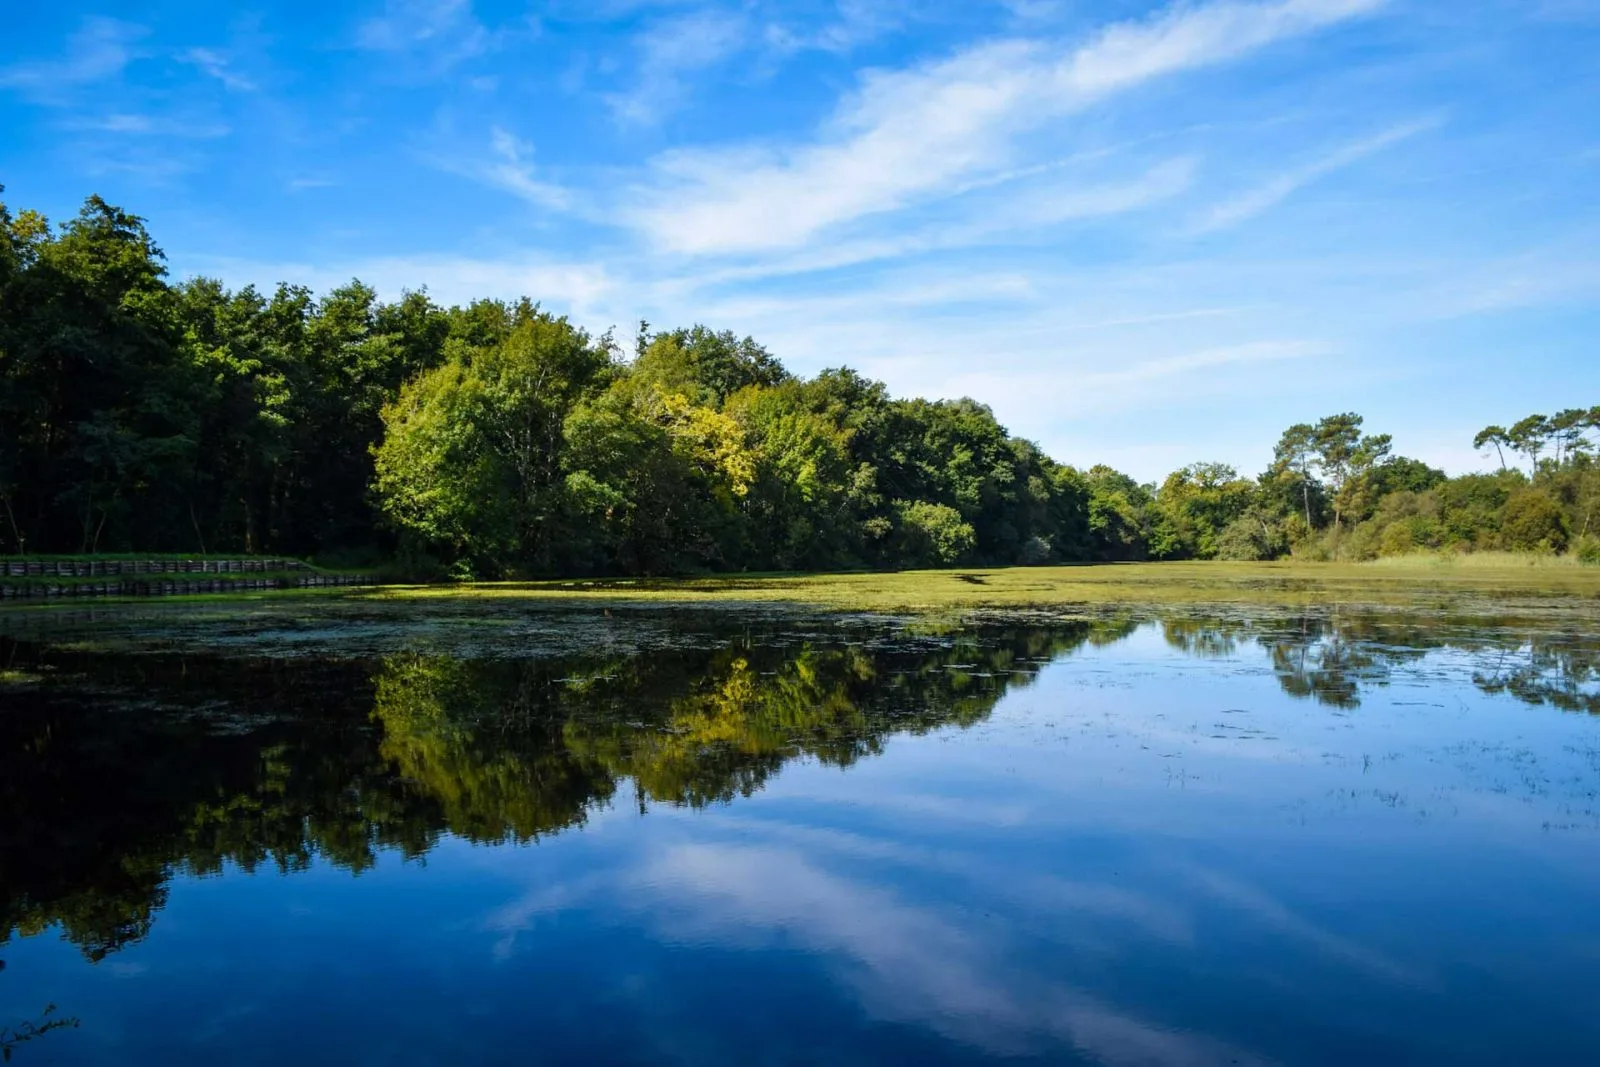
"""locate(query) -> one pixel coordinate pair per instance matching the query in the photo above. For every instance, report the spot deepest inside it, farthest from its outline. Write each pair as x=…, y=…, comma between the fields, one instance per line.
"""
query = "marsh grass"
x=1481, y=561
x=1287, y=583
x=1473, y=583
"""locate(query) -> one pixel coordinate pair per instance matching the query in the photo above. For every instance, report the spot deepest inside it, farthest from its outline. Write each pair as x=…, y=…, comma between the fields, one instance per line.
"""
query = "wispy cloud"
x=855, y=22
x=514, y=172
x=1019, y=215
x=150, y=126
x=1210, y=359
x=1565, y=272
x=573, y=286
x=908, y=961
x=918, y=133
x=1035, y=10
x=1081, y=390
x=310, y=181
x=99, y=50
x=446, y=32
x=213, y=63
x=1279, y=188
x=407, y=23
x=667, y=53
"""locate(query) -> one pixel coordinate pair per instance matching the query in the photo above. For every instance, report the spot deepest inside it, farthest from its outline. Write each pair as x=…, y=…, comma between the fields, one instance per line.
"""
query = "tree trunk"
x=88, y=519
x=100, y=528
x=199, y=537
x=16, y=531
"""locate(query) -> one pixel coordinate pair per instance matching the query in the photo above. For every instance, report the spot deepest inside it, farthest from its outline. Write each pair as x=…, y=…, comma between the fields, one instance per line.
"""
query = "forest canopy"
x=500, y=440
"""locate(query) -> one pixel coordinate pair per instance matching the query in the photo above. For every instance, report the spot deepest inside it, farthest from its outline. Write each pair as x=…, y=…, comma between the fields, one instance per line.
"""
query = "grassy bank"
x=1425, y=580
x=1473, y=583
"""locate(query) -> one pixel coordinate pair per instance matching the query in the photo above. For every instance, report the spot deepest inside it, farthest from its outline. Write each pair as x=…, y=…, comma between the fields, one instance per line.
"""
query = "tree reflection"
x=134, y=769
x=127, y=770
x=1561, y=670
x=1333, y=658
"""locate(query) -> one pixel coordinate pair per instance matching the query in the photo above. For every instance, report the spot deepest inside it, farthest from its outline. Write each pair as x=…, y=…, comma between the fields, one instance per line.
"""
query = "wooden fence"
x=67, y=568
x=160, y=577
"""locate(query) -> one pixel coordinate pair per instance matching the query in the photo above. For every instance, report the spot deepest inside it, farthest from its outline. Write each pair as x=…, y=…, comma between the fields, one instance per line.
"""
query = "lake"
x=344, y=832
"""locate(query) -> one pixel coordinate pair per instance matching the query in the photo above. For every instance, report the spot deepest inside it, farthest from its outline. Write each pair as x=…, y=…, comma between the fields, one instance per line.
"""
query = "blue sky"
x=1147, y=234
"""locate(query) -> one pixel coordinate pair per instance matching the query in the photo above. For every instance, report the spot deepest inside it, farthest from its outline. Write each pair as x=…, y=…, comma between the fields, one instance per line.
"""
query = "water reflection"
x=120, y=771
x=1332, y=659
x=1131, y=823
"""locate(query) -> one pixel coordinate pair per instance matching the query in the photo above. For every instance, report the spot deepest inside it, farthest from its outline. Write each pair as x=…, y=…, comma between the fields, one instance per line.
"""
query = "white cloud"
x=855, y=23
x=670, y=50
x=1273, y=915
x=918, y=133
x=407, y=23
x=215, y=64
x=1279, y=188
x=514, y=172
x=575, y=287
x=1040, y=400
x=99, y=50
x=1567, y=273
x=150, y=125
x=1019, y=215
x=1210, y=359
x=446, y=32
x=916, y=964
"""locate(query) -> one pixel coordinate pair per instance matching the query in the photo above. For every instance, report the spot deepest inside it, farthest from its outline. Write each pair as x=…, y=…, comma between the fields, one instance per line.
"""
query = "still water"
x=502, y=835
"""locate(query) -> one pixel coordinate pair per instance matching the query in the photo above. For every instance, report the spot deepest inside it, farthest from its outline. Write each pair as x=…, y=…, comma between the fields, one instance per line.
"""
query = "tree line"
x=499, y=440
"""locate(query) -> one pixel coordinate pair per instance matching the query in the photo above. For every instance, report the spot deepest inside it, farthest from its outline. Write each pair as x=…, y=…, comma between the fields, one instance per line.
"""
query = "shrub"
x=934, y=535
x=1359, y=543
x=1587, y=550
x=1035, y=550
x=1533, y=522
x=1241, y=540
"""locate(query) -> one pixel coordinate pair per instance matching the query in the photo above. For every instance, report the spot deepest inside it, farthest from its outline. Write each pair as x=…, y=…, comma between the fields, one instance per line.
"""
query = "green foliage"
x=1118, y=507
x=497, y=440
x=1193, y=508
x=706, y=366
x=471, y=457
x=932, y=535
x=1252, y=537
x=1533, y=522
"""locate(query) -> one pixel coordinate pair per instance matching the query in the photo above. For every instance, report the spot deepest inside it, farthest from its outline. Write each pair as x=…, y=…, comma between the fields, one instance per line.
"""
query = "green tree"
x=1497, y=437
x=1294, y=458
x=704, y=365
x=1117, y=515
x=1347, y=459
x=932, y=535
x=1193, y=507
x=1568, y=433
x=1534, y=522
x=1529, y=437
x=473, y=450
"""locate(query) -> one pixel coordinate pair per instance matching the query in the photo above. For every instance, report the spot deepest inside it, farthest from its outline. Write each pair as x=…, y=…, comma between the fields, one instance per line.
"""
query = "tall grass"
x=1480, y=560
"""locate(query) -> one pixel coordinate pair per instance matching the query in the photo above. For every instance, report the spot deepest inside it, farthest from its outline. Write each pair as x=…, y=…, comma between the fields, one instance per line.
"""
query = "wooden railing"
x=67, y=568
x=43, y=579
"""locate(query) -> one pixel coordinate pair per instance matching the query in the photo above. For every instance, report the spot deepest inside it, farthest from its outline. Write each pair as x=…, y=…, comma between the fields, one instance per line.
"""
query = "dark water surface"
x=493, y=834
